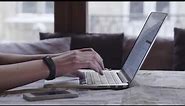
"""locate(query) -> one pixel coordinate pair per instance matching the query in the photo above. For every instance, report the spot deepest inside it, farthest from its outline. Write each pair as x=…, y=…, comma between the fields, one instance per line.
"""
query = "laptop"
x=120, y=79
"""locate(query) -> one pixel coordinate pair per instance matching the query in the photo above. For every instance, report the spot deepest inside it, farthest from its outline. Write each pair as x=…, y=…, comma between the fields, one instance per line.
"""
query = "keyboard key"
x=88, y=78
x=92, y=77
x=96, y=77
x=109, y=78
x=103, y=79
x=116, y=78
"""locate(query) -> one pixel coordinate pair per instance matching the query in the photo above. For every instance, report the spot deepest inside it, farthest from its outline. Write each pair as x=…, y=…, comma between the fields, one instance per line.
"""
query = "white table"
x=149, y=87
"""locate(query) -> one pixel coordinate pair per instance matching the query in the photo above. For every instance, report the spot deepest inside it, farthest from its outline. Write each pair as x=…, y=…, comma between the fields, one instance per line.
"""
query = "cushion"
x=109, y=46
x=179, y=49
x=47, y=46
x=48, y=35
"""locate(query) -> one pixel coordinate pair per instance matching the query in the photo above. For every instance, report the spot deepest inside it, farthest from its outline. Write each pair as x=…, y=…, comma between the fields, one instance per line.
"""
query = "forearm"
x=15, y=75
x=17, y=58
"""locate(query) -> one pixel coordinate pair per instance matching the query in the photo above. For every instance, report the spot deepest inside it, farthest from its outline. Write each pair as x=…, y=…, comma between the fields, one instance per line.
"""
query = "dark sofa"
x=166, y=54
x=114, y=49
x=160, y=56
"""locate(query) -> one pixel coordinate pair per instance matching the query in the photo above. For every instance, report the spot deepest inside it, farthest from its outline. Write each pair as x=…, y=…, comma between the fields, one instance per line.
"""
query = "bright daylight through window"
x=22, y=21
x=129, y=17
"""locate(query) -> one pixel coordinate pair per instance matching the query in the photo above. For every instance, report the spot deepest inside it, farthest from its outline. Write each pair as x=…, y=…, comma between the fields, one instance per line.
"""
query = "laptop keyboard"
x=108, y=77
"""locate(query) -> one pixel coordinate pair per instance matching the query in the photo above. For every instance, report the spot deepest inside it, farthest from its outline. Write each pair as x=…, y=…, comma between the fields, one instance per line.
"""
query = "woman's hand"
x=71, y=61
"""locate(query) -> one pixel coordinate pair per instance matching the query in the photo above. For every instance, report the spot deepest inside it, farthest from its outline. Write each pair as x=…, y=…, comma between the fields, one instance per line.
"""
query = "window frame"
x=67, y=13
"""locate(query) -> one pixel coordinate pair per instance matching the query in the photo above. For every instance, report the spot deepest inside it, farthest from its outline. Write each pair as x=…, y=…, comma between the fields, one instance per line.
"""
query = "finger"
x=91, y=60
x=107, y=69
x=91, y=65
x=98, y=66
x=86, y=49
x=94, y=65
x=98, y=59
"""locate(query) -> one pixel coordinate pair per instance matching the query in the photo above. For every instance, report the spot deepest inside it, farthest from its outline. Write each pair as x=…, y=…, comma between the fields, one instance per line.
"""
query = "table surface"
x=148, y=87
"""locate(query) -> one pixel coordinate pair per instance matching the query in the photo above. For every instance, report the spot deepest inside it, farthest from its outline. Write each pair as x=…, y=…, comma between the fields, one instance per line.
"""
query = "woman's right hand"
x=73, y=60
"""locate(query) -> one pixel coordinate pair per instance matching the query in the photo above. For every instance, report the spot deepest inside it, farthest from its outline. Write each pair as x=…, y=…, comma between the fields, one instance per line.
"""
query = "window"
x=105, y=17
x=22, y=21
x=136, y=10
x=162, y=6
x=49, y=7
x=37, y=7
x=129, y=17
x=29, y=7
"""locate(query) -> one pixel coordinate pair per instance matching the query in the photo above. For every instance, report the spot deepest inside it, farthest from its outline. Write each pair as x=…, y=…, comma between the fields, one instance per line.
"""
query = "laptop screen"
x=143, y=44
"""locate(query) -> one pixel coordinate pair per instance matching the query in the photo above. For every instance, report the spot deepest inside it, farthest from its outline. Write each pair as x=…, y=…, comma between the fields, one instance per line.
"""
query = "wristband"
x=51, y=66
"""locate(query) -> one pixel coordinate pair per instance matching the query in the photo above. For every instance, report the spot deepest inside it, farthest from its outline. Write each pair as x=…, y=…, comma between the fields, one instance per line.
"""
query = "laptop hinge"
x=122, y=77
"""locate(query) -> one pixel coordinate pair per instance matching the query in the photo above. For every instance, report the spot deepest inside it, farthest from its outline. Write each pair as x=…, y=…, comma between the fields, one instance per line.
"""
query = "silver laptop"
x=119, y=79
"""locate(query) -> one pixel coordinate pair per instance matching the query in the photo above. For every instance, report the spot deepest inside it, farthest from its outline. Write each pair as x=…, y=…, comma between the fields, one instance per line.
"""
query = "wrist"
x=48, y=61
x=59, y=68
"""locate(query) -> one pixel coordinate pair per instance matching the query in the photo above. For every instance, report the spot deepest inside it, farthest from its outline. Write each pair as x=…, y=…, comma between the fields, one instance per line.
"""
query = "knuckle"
x=93, y=54
x=91, y=49
x=93, y=57
x=75, y=52
x=94, y=61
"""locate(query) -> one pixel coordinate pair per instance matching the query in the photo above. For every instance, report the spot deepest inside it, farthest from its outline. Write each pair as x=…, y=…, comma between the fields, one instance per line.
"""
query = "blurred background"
x=22, y=21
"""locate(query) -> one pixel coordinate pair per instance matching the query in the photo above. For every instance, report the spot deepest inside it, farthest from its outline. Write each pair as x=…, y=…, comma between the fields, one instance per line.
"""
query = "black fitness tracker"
x=51, y=66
